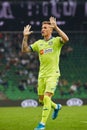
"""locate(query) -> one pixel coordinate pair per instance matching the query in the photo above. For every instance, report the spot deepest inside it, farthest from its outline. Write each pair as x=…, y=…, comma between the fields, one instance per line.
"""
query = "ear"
x=51, y=30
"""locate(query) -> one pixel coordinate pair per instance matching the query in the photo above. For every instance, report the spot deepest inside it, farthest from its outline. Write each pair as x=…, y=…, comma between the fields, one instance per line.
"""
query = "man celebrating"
x=48, y=49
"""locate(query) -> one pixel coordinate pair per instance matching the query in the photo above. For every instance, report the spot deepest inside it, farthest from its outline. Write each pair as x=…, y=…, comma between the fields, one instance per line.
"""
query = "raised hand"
x=53, y=22
x=27, y=30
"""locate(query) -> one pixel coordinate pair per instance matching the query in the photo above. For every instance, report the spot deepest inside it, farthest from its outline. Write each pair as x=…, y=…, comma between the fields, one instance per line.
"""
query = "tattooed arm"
x=26, y=33
x=25, y=47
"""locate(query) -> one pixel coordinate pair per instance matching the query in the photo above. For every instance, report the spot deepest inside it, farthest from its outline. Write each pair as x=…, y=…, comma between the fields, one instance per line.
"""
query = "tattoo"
x=24, y=44
x=24, y=41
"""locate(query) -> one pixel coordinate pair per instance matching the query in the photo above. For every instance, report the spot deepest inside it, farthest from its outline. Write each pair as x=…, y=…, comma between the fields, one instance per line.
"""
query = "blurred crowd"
x=13, y=61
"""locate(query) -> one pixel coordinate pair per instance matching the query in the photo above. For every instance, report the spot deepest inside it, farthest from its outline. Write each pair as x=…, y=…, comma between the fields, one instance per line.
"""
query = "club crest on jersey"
x=41, y=44
x=50, y=43
x=45, y=51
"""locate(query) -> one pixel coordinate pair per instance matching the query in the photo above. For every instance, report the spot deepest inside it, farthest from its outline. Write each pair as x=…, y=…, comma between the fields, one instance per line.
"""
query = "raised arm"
x=63, y=36
x=26, y=33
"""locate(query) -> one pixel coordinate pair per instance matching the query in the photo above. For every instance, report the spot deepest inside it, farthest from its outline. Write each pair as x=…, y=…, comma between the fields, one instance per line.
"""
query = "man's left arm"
x=64, y=37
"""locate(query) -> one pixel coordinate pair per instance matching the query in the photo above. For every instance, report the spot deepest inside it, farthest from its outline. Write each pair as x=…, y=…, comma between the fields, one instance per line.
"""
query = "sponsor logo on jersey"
x=45, y=51
x=41, y=52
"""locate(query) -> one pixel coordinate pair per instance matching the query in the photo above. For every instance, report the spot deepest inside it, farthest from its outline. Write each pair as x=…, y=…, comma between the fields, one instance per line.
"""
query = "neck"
x=46, y=38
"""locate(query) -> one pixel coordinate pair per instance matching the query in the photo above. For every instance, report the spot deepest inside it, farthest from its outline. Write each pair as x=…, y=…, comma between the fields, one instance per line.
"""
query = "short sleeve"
x=34, y=46
x=58, y=42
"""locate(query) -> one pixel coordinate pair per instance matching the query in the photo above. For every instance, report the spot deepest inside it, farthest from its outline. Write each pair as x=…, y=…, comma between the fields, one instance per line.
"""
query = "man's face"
x=46, y=30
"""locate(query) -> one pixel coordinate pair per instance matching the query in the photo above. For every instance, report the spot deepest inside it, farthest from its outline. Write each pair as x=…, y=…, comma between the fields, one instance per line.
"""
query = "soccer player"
x=48, y=49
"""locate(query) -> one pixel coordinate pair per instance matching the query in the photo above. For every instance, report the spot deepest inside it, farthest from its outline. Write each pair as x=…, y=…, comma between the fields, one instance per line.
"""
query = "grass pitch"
x=17, y=118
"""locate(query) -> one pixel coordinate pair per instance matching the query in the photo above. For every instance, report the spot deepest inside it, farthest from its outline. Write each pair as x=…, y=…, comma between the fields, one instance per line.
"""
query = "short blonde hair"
x=46, y=22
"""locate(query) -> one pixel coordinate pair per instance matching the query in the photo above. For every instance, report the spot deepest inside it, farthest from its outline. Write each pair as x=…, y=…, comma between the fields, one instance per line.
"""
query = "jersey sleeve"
x=58, y=42
x=34, y=46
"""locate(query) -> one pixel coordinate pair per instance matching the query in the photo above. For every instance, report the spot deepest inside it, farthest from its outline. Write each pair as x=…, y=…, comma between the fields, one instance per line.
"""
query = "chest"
x=46, y=45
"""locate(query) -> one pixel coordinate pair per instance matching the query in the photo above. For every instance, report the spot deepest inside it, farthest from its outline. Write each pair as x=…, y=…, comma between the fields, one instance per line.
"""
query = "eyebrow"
x=44, y=27
x=46, y=22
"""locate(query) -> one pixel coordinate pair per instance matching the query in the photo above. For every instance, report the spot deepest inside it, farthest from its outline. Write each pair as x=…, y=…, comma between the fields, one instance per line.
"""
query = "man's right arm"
x=26, y=33
x=25, y=48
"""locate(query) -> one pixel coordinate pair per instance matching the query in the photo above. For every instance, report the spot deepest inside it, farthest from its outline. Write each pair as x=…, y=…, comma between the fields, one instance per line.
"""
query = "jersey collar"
x=49, y=38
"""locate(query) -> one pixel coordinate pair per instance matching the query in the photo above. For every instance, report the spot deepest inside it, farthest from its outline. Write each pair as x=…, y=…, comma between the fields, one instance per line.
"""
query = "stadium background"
x=18, y=72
